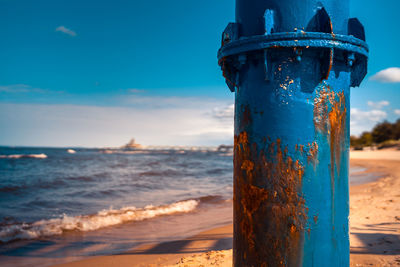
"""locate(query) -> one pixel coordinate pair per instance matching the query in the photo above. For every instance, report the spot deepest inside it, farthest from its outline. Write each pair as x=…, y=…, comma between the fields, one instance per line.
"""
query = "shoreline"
x=204, y=237
x=374, y=227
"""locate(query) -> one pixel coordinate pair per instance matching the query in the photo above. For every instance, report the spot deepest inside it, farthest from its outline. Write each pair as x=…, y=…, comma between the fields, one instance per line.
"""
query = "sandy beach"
x=375, y=215
x=374, y=226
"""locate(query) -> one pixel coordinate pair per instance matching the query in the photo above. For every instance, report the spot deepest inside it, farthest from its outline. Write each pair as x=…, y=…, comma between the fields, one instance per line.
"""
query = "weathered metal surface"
x=294, y=39
x=291, y=65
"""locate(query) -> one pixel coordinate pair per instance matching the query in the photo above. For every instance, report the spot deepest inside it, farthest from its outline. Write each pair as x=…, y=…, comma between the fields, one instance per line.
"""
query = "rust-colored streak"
x=252, y=197
x=337, y=122
x=270, y=212
x=330, y=64
x=330, y=120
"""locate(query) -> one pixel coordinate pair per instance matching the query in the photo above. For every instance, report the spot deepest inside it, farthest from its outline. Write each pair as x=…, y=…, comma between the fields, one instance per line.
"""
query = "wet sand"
x=193, y=250
x=374, y=227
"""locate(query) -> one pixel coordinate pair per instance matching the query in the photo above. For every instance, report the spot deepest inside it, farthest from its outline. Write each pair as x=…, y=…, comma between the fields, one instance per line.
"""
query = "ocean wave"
x=10, y=189
x=211, y=199
x=165, y=173
x=19, y=156
x=92, y=222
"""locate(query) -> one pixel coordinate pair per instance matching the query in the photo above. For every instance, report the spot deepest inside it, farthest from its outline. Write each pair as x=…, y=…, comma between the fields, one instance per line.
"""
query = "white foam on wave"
x=71, y=151
x=19, y=156
x=92, y=222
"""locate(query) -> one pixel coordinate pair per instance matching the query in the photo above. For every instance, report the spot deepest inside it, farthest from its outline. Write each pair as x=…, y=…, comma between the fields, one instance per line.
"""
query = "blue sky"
x=96, y=73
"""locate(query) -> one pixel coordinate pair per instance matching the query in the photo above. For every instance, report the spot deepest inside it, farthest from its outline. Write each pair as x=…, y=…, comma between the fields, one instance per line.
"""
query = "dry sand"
x=384, y=154
x=375, y=215
x=374, y=227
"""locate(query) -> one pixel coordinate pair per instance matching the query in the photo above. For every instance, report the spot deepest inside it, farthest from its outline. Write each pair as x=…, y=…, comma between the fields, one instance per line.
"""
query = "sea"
x=59, y=204
x=59, y=194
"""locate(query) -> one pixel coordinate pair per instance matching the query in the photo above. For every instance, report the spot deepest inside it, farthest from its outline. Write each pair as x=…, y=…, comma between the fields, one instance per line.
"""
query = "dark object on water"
x=224, y=148
x=132, y=145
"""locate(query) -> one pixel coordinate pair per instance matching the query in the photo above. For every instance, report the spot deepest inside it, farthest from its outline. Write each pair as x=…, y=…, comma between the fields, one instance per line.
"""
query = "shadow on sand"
x=380, y=239
x=196, y=244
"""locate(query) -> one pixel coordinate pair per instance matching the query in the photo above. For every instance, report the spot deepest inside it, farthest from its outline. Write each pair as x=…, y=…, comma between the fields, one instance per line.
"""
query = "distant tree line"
x=384, y=134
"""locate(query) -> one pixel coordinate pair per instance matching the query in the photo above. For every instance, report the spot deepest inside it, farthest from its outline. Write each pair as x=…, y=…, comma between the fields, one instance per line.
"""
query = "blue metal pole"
x=291, y=65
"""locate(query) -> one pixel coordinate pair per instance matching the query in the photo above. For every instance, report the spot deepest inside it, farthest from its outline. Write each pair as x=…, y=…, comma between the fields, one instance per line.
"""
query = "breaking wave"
x=92, y=222
x=19, y=156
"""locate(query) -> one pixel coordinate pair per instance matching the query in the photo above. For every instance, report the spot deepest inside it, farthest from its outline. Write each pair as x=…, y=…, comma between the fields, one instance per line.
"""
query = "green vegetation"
x=384, y=134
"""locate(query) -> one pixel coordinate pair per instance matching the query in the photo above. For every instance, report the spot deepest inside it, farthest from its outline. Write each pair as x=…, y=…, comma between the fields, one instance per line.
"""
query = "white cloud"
x=397, y=111
x=189, y=123
x=224, y=113
x=365, y=120
x=389, y=75
x=65, y=30
x=378, y=105
x=20, y=88
x=372, y=115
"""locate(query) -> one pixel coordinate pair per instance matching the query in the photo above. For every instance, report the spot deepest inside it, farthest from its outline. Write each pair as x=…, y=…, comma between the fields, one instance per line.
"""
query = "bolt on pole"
x=291, y=65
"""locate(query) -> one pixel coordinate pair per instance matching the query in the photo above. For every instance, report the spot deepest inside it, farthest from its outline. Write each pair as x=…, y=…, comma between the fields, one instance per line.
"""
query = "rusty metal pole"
x=291, y=65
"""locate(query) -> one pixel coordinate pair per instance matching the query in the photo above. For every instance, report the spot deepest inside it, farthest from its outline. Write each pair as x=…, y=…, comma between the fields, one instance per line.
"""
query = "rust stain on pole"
x=330, y=119
x=279, y=198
